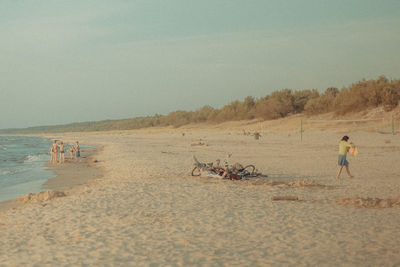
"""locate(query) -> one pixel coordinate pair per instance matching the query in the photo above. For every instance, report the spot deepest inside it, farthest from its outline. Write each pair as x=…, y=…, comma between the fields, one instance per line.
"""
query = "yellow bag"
x=353, y=150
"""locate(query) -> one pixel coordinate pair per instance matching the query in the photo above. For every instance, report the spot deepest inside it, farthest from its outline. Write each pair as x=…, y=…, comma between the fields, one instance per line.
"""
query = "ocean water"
x=22, y=165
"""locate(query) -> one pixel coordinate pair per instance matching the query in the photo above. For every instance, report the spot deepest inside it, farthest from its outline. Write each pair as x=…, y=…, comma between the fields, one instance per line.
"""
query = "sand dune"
x=148, y=211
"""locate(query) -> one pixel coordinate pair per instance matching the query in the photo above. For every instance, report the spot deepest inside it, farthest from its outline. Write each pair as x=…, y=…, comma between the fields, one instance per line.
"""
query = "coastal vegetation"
x=362, y=95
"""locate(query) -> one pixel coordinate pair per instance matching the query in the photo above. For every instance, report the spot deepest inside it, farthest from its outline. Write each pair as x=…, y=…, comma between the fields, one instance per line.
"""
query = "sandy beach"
x=145, y=209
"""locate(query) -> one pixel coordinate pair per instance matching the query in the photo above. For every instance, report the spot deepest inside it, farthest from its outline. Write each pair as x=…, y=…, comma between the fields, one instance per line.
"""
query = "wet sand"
x=74, y=172
x=148, y=211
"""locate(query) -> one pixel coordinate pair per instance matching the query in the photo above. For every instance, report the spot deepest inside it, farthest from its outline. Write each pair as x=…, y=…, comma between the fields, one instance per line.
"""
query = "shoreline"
x=67, y=176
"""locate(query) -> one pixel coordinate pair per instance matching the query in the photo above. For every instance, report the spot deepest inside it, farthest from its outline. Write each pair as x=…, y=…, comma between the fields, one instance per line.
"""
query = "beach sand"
x=147, y=210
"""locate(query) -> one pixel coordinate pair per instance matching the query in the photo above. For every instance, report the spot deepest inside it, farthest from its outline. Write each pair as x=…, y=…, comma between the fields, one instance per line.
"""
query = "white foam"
x=31, y=158
x=4, y=172
x=13, y=170
x=35, y=158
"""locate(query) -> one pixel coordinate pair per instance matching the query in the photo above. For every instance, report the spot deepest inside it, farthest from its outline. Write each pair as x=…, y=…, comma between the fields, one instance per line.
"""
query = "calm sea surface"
x=22, y=169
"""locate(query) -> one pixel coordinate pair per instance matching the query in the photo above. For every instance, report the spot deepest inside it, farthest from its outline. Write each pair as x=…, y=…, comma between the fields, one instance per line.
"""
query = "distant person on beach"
x=62, y=152
x=344, y=147
x=72, y=152
x=77, y=150
x=53, y=152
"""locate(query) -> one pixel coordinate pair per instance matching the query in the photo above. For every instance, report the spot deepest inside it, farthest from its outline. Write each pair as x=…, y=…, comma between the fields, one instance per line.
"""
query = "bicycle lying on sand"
x=234, y=172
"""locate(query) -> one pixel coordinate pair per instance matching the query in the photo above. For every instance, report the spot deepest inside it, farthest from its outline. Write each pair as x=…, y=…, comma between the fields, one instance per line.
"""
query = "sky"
x=77, y=60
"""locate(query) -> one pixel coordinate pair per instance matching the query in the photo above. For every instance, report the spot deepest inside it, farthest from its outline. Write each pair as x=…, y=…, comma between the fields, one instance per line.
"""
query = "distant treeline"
x=359, y=96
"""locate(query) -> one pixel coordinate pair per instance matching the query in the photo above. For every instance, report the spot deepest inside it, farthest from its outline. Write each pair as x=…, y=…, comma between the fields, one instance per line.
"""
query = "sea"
x=22, y=165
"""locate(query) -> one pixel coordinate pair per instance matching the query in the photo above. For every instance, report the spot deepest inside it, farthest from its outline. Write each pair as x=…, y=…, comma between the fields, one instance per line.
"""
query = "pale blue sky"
x=69, y=61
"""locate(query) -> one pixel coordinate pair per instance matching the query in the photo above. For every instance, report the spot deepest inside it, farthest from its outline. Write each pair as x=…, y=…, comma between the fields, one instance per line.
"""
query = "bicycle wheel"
x=250, y=169
x=196, y=171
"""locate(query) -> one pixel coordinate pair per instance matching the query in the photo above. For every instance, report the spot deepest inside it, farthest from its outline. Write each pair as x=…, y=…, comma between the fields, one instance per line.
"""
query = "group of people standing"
x=57, y=151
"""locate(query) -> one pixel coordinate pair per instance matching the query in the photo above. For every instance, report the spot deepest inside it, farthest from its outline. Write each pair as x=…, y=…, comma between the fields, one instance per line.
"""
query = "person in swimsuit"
x=344, y=147
x=53, y=152
x=62, y=153
x=72, y=152
x=77, y=150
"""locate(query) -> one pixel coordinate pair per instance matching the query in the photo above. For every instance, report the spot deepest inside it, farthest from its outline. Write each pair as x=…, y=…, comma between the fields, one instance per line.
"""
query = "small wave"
x=13, y=171
x=10, y=159
x=5, y=172
x=31, y=158
x=34, y=158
